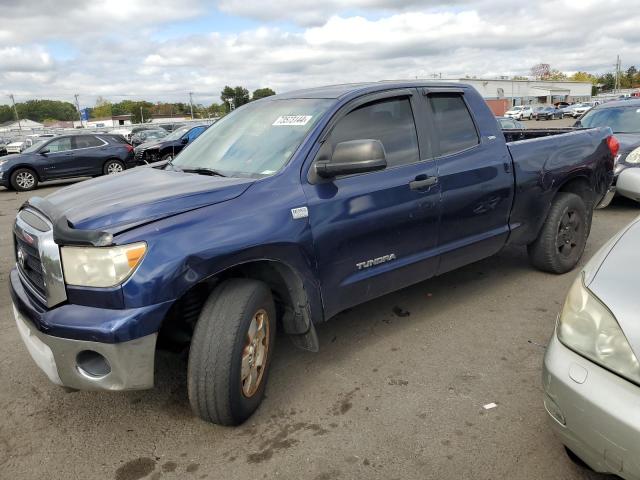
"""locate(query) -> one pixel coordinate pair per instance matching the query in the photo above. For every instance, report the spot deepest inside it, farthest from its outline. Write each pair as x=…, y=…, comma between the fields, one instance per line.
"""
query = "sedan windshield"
x=176, y=134
x=620, y=119
x=256, y=140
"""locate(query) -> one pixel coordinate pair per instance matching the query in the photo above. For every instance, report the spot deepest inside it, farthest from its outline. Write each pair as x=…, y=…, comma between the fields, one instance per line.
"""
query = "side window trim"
x=427, y=95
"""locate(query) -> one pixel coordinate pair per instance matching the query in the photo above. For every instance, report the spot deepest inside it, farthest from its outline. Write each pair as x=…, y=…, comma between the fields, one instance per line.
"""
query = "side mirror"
x=354, y=156
x=185, y=140
x=44, y=151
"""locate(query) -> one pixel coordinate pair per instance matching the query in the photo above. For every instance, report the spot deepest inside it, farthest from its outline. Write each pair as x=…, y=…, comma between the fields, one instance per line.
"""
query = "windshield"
x=256, y=140
x=176, y=134
x=34, y=147
x=620, y=119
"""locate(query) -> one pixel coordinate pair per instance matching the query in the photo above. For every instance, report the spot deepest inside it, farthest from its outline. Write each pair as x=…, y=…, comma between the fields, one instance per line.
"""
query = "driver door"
x=374, y=232
x=59, y=158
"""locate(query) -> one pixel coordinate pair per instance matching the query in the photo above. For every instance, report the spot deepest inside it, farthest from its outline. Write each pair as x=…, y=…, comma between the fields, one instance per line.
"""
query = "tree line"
x=140, y=110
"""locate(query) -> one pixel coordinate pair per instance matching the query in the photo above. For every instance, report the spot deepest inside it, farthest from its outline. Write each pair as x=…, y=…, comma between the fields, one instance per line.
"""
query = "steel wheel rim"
x=255, y=353
x=569, y=231
x=114, y=167
x=25, y=180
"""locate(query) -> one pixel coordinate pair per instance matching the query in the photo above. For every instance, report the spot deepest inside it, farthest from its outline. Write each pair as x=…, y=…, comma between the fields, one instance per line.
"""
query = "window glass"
x=454, y=126
x=86, y=141
x=60, y=145
x=193, y=134
x=390, y=121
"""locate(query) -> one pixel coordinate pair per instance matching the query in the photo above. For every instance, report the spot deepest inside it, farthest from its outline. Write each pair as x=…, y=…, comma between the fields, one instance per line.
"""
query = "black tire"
x=563, y=237
x=113, y=166
x=220, y=341
x=24, y=180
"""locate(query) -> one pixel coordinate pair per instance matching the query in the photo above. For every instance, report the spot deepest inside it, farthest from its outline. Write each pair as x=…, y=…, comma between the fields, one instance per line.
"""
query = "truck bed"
x=527, y=134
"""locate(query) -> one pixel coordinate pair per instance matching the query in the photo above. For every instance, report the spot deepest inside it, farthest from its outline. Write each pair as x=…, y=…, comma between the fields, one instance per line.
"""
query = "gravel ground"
x=397, y=391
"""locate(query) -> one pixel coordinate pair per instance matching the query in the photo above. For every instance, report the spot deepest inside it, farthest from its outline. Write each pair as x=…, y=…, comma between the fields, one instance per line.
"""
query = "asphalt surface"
x=397, y=391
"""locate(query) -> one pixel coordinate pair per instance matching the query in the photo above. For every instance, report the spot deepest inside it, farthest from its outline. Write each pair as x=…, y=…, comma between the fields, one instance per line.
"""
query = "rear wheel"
x=563, y=237
x=231, y=352
x=24, y=179
x=112, y=167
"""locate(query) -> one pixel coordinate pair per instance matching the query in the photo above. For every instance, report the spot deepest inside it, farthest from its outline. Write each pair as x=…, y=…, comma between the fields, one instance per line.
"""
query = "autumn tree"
x=262, y=93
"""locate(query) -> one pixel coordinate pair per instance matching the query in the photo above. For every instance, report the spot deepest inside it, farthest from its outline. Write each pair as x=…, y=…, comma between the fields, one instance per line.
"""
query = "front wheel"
x=23, y=180
x=231, y=351
x=112, y=167
x=563, y=237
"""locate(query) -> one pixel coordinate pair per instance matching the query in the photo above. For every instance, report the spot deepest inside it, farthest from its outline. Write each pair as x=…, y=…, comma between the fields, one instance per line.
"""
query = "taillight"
x=614, y=145
x=130, y=147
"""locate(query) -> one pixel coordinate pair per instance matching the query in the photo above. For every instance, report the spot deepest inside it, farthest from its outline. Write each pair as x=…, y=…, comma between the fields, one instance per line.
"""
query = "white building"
x=531, y=92
x=106, y=122
x=14, y=126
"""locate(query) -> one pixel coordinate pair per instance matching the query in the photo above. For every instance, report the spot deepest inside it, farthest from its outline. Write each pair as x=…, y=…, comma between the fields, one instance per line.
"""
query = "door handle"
x=422, y=182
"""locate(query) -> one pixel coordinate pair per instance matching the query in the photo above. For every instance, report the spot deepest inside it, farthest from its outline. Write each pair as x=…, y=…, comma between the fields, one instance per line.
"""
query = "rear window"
x=454, y=126
x=88, y=141
x=115, y=139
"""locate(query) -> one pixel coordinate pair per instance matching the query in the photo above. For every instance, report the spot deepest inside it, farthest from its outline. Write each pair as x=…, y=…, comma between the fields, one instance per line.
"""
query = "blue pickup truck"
x=281, y=215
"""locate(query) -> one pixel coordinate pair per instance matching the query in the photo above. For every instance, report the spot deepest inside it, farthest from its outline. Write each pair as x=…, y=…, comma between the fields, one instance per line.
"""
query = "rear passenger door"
x=90, y=154
x=375, y=232
x=475, y=175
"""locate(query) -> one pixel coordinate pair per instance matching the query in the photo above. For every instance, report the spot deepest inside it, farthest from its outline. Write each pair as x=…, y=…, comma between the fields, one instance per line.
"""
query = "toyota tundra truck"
x=284, y=213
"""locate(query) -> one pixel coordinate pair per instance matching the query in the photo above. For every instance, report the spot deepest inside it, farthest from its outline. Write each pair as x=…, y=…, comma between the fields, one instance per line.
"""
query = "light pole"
x=79, y=112
x=16, y=111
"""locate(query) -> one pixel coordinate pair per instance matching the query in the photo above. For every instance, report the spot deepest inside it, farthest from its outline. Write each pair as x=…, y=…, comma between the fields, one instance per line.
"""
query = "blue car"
x=66, y=156
x=284, y=213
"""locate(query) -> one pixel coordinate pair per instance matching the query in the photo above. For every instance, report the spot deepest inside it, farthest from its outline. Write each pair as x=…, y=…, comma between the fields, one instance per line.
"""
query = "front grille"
x=30, y=266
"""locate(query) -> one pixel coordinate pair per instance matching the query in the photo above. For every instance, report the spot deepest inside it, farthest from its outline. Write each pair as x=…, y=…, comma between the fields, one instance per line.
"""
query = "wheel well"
x=28, y=167
x=581, y=187
x=283, y=281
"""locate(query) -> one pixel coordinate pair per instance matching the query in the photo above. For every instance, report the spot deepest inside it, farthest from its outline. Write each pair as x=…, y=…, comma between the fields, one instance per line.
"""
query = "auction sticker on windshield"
x=292, y=120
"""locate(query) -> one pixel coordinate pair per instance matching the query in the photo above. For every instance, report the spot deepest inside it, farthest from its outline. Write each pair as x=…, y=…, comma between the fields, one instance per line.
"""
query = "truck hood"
x=115, y=203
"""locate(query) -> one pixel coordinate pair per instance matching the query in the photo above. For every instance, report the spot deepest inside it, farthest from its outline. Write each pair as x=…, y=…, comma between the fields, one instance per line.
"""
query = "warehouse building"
x=502, y=93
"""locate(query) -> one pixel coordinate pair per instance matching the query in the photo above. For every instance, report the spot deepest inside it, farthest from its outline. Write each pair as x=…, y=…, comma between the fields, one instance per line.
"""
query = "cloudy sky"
x=162, y=49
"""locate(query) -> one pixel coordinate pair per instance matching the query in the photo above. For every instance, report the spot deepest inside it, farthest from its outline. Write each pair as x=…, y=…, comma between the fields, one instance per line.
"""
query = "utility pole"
x=79, y=112
x=616, y=88
x=191, y=103
x=141, y=115
x=16, y=111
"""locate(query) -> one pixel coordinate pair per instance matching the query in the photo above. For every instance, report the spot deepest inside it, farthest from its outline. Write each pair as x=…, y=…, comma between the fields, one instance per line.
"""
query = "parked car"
x=170, y=127
x=591, y=372
x=3, y=148
x=284, y=213
x=168, y=147
x=623, y=116
x=548, y=113
x=520, y=112
x=144, y=136
x=580, y=109
x=66, y=156
x=124, y=132
x=566, y=110
x=510, y=123
x=537, y=109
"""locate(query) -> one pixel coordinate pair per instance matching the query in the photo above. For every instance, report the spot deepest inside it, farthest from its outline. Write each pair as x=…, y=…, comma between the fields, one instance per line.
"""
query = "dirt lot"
x=396, y=391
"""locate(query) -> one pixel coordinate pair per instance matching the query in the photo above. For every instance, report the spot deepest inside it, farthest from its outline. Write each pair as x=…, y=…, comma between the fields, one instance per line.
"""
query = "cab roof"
x=343, y=90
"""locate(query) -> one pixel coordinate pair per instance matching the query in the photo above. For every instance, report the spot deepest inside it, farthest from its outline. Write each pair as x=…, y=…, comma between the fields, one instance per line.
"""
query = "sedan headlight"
x=633, y=157
x=590, y=329
x=101, y=266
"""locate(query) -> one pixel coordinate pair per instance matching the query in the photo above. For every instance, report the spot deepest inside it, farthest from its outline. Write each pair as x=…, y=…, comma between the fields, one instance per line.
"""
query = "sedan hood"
x=118, y=202
x=613, y=277
x=628, y=141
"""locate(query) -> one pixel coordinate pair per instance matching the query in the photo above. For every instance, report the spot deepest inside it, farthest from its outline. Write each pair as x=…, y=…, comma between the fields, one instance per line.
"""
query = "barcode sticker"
x=292, y=120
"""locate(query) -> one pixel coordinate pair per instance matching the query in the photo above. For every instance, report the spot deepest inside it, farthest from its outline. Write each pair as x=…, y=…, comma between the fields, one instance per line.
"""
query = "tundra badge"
x=376, y=261
x=300, y=212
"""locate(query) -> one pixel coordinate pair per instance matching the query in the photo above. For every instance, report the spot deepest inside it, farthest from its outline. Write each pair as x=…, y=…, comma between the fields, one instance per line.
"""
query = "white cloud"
x=348, y=41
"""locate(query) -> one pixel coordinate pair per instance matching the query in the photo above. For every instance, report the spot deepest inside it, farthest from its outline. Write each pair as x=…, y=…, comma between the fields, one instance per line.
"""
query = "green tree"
x=102, y=109
x=607, y=81
x=262, y=93
x=234, y=97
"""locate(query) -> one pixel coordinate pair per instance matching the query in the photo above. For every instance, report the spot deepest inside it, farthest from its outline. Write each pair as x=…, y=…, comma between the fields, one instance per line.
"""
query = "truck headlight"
x=590, y=329
x=101, y=266
x=633, y=157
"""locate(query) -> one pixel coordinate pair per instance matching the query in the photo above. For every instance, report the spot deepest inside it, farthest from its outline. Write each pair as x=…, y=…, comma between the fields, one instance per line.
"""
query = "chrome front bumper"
x=593, y=411
x=130, y=364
